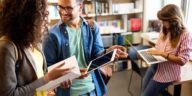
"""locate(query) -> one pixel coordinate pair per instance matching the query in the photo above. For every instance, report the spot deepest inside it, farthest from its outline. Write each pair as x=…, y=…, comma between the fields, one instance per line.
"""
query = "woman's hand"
x=66, y=84
x=155, y=52
x=56, y=73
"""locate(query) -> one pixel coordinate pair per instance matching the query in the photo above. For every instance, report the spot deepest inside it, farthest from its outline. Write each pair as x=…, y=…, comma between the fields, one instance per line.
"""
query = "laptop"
x=102, y=60
x=148, y=58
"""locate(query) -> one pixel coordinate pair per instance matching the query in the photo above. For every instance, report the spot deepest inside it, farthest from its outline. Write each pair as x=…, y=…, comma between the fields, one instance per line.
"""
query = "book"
x=136, y=24
x=70, y=62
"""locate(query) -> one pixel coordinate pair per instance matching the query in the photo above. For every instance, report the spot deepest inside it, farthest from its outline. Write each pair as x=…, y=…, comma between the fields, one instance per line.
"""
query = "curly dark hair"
x=23, y=21
x=174, y=16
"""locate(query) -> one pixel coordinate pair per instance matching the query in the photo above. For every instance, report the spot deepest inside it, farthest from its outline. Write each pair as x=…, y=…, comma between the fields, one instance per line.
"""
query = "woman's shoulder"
x=7, y=46
x=186, y=33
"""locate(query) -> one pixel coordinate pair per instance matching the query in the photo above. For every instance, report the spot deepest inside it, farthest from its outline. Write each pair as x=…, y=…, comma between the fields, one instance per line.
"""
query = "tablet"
x=101, y=60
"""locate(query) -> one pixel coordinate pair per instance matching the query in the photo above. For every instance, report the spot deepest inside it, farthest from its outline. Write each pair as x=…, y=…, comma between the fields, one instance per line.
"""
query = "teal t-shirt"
x=79, y=86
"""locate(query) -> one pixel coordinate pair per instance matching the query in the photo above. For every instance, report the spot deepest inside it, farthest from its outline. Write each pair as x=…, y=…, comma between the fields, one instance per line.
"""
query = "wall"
x=151, y=8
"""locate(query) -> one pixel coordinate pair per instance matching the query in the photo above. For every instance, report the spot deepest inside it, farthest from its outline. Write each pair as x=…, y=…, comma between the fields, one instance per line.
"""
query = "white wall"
x=188, y=14
x=151, y=7
x=176, y=2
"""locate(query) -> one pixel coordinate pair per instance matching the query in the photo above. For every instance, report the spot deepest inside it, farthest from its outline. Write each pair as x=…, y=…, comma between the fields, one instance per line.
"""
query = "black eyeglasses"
x=67, y=9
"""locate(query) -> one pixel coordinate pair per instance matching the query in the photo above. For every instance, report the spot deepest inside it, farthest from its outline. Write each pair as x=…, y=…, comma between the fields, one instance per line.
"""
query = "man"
x=73, y=36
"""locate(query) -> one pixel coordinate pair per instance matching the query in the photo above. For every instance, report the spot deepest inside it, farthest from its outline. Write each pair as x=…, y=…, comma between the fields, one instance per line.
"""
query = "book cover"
x=136, y=24
x=70, y=62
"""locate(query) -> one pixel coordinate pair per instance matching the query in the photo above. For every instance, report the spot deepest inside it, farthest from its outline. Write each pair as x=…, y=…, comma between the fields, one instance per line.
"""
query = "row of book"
x=122, y=7
x=113, y=26
x=97, y=7
x=134, y=38
x=106, y=6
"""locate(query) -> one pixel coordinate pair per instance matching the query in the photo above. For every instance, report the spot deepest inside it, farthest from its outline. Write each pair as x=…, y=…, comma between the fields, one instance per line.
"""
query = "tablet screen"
x=102, y=60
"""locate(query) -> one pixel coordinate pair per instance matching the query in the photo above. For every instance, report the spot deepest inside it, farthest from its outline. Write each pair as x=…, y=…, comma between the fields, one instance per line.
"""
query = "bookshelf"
x=115, y=18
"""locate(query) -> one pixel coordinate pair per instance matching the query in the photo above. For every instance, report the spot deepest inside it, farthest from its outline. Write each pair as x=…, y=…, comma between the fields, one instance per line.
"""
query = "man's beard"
x=69, y=21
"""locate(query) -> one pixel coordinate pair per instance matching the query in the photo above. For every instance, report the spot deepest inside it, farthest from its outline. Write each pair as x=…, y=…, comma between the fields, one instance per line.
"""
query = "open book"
x=70, y=62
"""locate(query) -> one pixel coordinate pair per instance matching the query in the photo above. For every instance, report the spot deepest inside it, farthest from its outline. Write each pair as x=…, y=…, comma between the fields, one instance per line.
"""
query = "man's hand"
x=121, y=54
x=120, y=51
x=84, y=73
x=115, y=47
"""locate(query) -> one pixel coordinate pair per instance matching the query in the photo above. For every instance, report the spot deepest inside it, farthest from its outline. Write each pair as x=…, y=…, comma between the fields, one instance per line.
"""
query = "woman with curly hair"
x=22, y=26
x=175, y=44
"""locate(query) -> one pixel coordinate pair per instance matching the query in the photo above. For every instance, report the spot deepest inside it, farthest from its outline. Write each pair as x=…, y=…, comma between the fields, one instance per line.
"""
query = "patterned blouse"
x=170, y=71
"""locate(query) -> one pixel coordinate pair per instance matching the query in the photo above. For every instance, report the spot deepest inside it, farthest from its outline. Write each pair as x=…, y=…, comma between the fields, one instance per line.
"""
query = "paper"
x=70, y=62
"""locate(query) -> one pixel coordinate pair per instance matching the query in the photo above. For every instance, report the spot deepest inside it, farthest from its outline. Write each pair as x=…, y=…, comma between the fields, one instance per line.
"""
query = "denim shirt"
x=56, y=48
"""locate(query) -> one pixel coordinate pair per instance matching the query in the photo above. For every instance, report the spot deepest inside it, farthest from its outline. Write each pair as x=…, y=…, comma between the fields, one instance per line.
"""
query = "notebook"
x=148, y=58
x=100, y=61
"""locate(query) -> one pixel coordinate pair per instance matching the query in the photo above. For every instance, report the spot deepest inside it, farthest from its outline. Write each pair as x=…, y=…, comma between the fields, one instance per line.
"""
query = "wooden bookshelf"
x=110, y=14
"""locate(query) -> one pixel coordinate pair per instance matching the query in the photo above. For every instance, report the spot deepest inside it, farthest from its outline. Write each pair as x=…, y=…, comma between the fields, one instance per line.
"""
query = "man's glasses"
x=67, y=9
